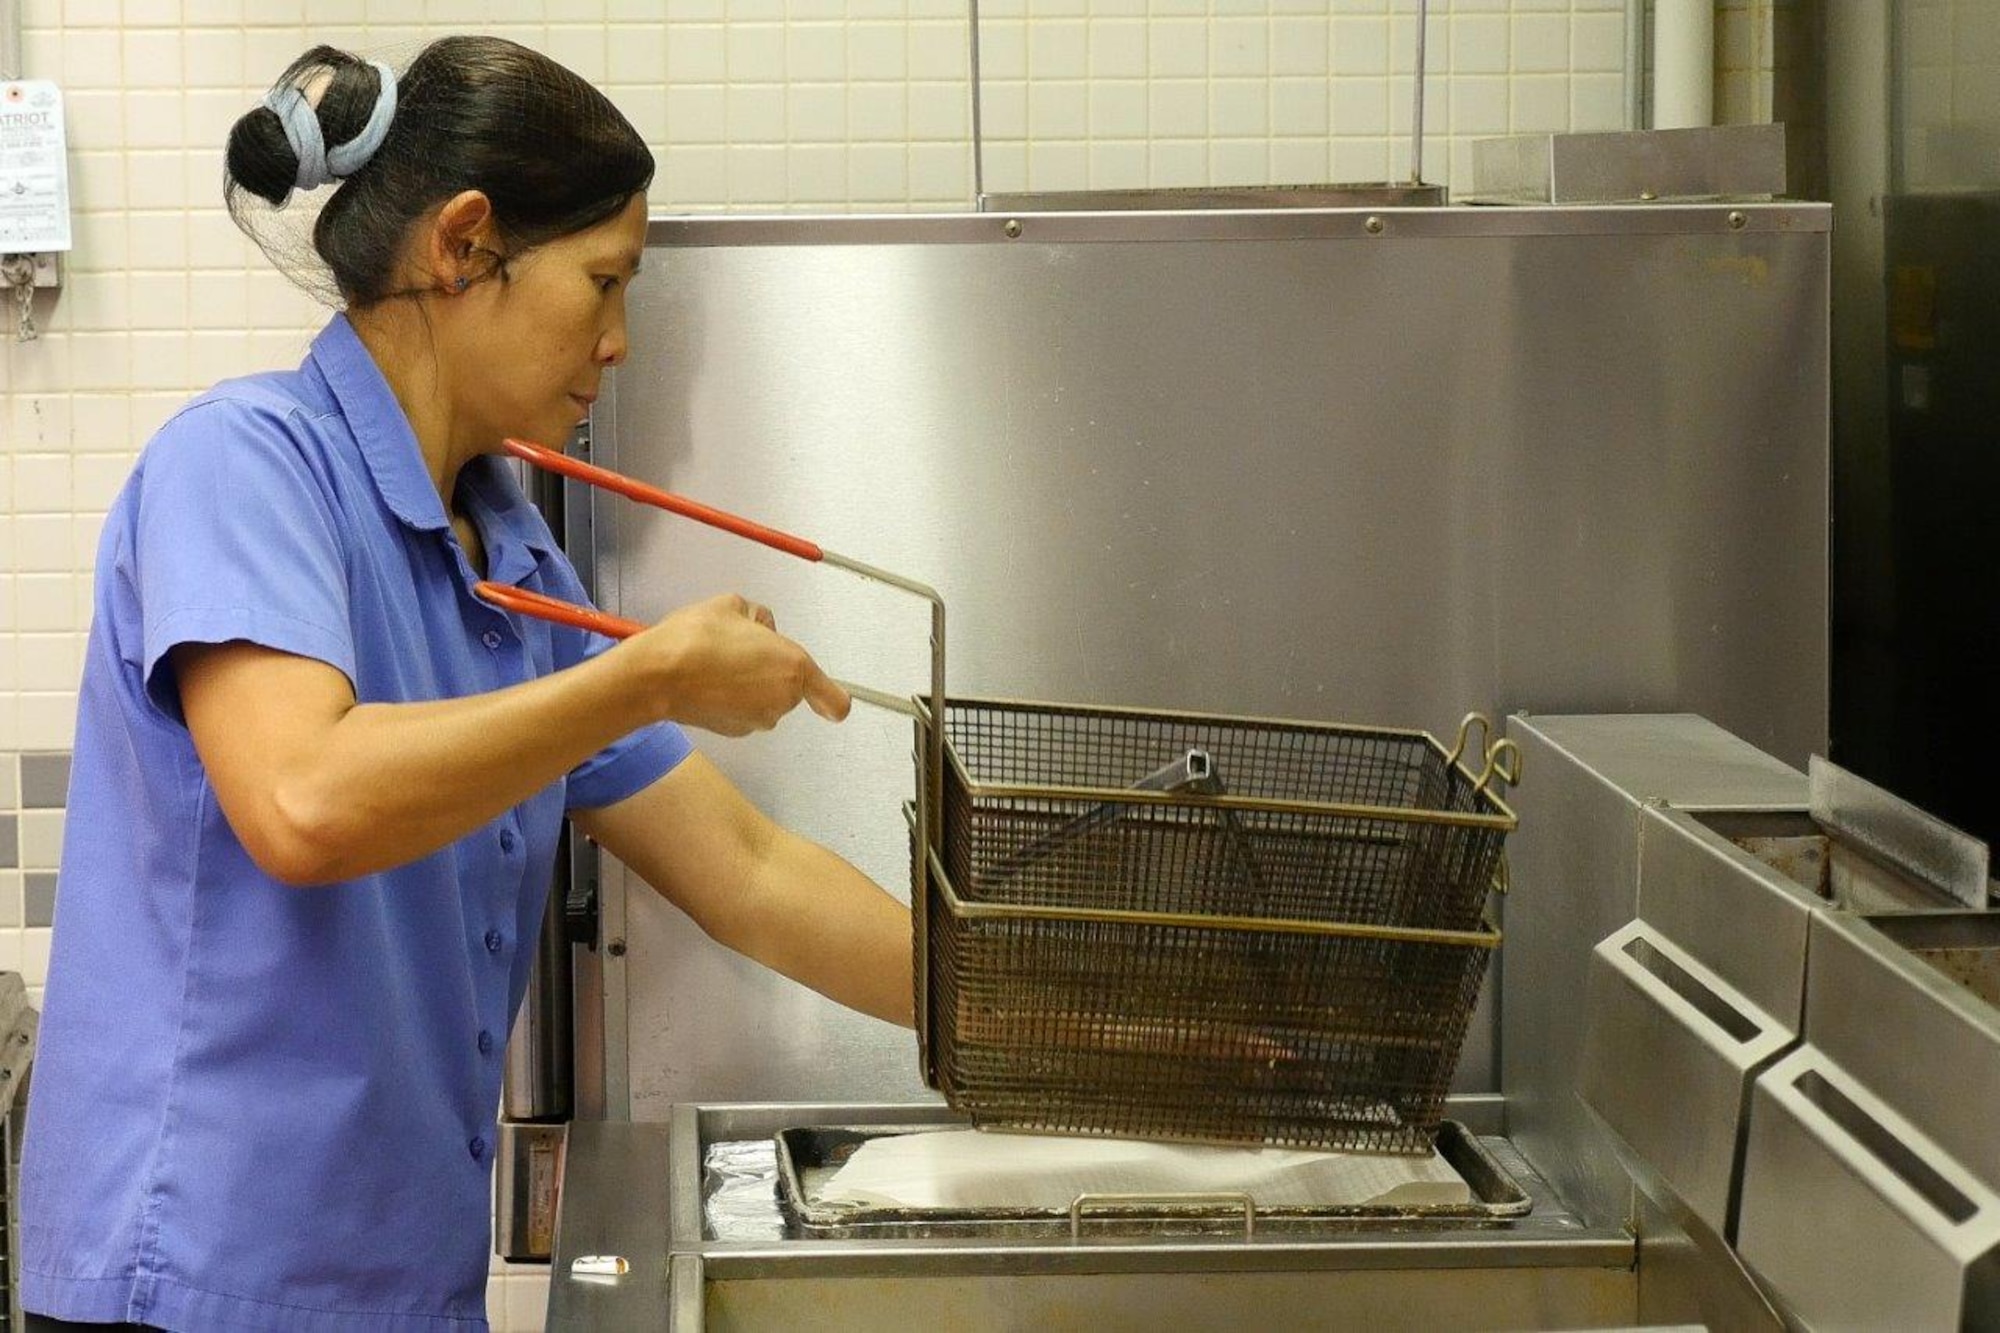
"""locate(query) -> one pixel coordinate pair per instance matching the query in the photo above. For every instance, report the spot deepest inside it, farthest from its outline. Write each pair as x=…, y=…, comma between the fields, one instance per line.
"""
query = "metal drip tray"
x=1964, y=946
x=1794, y=845
x=807, y=1158
x=742, y=1190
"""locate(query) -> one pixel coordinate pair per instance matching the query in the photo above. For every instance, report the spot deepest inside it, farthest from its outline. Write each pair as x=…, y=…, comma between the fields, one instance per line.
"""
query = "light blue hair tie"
x=317, y=165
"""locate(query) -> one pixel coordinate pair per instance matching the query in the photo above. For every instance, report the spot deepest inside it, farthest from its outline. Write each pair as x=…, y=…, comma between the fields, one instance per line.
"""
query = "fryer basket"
x=1286, y=953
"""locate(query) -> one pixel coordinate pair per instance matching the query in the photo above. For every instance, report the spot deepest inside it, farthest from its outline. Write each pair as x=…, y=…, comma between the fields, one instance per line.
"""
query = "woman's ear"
x=456, y=233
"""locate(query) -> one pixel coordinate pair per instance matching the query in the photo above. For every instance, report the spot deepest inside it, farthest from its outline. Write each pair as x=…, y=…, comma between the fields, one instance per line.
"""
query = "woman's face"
x=536, y=344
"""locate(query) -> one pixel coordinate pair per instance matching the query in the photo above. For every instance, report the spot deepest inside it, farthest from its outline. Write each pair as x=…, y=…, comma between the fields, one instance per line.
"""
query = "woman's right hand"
x=722, y=666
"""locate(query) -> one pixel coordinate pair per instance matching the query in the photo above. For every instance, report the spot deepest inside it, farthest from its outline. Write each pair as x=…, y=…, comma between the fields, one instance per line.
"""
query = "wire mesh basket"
x=1204, y=929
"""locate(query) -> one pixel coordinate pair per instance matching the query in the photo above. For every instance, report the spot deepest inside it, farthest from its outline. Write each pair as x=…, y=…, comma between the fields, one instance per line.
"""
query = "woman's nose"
x=611, y=347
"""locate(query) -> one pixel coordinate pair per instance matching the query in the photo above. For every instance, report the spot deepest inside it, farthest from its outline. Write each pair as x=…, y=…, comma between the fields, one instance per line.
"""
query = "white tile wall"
x=750, y=105
x=1745, y=32
x=1949, y=96
x=1114, y=94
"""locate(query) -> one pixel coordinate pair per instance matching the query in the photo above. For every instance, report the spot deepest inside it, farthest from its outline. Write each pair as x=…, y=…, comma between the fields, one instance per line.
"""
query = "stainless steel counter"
x=636, y=1190
x=614, y=1201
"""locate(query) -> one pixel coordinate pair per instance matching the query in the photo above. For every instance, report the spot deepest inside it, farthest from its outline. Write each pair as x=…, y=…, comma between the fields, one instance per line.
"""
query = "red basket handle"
x=541, y=606
x=556, y=461
x=544, y=607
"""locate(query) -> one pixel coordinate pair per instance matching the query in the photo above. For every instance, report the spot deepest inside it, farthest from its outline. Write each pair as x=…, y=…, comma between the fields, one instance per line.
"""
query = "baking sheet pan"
x=809, y=1155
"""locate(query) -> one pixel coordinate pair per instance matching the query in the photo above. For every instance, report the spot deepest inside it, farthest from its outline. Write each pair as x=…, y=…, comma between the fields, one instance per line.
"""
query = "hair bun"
x=260, y=158
x=340, y=92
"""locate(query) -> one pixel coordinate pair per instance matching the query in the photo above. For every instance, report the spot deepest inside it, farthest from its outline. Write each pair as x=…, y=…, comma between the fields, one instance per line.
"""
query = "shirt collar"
x=515, y=535
x=388, y=445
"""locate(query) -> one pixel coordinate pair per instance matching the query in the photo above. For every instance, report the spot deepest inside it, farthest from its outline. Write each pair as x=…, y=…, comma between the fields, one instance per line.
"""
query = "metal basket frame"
x=1414, y=780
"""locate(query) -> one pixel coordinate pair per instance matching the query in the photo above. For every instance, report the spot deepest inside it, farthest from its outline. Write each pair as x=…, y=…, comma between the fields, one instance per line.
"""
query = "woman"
x=318, y=783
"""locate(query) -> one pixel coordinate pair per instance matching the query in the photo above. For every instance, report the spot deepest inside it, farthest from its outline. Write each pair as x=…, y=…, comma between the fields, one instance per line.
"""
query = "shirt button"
x=491, y=638
x=486, y=1043
x=478, y=1149
x=493, y=941
x=506, y=840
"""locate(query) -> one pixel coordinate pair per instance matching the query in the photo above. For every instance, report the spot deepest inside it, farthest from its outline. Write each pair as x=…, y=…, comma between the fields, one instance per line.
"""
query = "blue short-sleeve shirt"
x=259, y=1106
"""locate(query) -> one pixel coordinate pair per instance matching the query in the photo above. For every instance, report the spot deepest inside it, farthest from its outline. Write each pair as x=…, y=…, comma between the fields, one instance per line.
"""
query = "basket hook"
x=1462, y=747
x=1503, y=761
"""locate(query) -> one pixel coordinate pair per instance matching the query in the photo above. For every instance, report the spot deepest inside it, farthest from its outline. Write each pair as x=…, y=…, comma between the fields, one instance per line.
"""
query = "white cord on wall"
x=10, y=40
x=1683, y=63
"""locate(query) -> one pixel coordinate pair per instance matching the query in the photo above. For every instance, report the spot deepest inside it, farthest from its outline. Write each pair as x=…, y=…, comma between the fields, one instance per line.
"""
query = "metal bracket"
x=21, y=275
x=526, y=1181
x=47, y=268
x=1892, y=829
x=579, y=904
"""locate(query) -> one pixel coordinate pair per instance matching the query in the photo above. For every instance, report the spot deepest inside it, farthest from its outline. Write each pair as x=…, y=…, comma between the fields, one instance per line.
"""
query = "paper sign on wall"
x=34, y=172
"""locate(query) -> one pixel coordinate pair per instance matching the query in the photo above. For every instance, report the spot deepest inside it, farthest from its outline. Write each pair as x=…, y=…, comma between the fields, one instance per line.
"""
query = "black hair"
x=550, y=152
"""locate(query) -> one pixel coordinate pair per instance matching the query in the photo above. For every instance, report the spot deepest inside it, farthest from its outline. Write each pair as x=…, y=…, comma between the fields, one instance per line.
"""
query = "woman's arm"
x=320, y=788
x=763, y=891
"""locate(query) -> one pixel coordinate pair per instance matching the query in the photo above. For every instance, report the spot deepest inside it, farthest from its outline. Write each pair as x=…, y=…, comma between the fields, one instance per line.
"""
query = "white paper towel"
x=965, y=1168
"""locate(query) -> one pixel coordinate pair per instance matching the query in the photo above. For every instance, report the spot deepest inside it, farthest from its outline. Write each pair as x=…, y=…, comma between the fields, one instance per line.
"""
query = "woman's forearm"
x=824, y=924
x=319, y=788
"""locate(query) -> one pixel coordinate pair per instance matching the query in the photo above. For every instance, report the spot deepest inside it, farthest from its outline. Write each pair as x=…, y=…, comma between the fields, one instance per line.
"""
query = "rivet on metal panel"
x=1375, y=226
x=1013, y=228
x=1737, y=219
